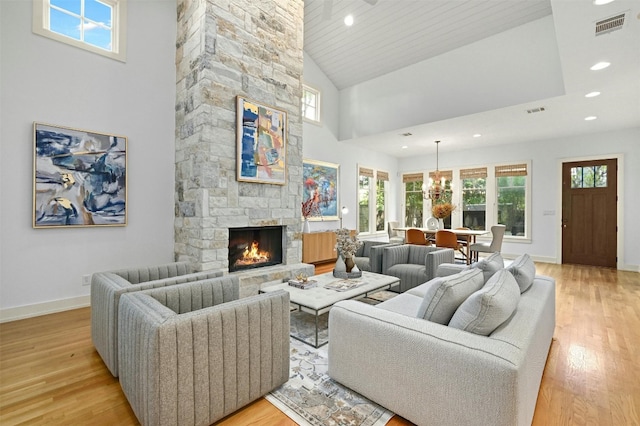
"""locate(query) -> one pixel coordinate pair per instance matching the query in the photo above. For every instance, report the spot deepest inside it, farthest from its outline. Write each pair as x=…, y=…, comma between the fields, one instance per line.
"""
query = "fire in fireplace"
x=254, y=247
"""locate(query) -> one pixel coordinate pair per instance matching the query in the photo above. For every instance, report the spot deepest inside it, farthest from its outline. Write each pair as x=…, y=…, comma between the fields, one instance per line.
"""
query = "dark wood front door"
x=589, y=212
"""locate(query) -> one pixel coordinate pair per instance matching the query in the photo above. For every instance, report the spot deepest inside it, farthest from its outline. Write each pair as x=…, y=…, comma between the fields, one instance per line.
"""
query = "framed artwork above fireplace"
x=320, y=181
x=261, y=139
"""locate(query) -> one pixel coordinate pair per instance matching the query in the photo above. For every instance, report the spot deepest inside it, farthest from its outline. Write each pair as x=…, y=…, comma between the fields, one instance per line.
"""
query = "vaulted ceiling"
x=392, y=35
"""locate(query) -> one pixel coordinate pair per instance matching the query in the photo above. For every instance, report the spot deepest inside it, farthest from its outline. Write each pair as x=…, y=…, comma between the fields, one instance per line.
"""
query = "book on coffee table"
x=304, y=285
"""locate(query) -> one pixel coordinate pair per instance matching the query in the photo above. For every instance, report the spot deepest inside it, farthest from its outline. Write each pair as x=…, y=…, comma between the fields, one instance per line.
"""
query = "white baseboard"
x=28, y=311
x=632, y=268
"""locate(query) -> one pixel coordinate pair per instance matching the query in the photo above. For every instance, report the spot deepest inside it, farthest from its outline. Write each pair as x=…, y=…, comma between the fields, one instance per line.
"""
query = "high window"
x=474, y=197
x=94, y=25
x=310, y=104
x=413, y=200
x=372, y=200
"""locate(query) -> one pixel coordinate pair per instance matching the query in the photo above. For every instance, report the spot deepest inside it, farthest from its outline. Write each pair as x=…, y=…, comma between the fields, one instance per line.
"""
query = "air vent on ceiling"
x=534, y=110
x=610, y=24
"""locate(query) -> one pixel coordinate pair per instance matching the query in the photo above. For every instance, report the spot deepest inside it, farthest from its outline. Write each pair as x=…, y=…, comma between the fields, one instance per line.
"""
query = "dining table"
x=468, y=234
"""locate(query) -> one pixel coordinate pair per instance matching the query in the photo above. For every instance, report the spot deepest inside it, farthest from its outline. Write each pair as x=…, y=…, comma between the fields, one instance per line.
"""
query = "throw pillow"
x=524, y=271
x=490, y=265
x=486, y=309
x=445, y=294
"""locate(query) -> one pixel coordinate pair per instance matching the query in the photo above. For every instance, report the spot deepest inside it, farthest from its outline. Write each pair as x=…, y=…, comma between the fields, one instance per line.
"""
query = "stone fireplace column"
x=227, y=48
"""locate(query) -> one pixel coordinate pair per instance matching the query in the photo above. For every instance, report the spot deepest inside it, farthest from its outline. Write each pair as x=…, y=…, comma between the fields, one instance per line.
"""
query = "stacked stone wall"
x=227, y=49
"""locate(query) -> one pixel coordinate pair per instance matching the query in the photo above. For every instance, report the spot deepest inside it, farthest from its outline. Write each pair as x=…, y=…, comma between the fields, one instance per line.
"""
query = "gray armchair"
x=107, y=287
x=369, y=255
x=191, y=354
x=414, y=264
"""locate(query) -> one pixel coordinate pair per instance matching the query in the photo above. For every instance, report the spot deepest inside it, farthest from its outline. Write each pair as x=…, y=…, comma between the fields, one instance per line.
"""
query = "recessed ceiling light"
x=592, y=94
x=477, y=135
x=404, y=147
x=600, y=66
x=590, y=118
x=348, y=20
x=601, y=2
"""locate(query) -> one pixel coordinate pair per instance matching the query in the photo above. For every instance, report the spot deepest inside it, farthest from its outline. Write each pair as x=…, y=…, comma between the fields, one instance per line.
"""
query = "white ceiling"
x=393, y=34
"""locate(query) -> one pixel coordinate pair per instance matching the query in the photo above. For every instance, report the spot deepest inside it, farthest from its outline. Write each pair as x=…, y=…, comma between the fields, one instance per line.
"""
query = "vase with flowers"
x=309, y=208
x=347, y=246
x=442, y=211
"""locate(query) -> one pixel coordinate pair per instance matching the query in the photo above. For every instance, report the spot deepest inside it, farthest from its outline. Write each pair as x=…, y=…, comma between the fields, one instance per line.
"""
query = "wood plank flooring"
x=51, y=374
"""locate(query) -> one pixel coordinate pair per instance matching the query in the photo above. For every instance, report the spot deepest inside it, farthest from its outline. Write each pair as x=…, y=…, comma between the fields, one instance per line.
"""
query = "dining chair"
x=416, y=236
x=394, y=236
x=463, y=240
x=495, y=245
x=448, y=239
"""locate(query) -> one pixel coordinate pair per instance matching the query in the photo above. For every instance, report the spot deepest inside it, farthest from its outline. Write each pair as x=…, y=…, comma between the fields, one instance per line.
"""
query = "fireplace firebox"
x=255, y=247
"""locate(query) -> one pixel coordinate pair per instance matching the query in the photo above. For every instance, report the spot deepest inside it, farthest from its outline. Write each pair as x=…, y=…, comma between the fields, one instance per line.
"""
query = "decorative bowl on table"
x=347, y=275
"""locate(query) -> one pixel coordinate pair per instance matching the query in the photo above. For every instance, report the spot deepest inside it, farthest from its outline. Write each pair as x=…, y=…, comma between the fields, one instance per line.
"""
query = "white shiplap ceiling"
x=393, y=34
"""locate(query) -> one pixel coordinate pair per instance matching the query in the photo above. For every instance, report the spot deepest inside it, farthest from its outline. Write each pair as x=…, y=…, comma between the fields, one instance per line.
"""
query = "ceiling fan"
x=328, y=6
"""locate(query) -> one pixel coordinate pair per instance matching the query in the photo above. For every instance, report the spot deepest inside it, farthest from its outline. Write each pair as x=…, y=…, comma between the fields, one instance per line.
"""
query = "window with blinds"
x=372, y=199
x=474, y=198
x=511, y=194
x=413, y=200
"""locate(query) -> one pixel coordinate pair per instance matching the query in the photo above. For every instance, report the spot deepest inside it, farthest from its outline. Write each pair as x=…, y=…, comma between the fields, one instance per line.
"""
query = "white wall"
x=320, y=143
x=546, y=157
x=46, y=81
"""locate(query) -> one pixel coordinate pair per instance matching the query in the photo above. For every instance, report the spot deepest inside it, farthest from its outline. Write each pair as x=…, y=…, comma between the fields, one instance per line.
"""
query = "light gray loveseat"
x=107, y=287
x=434, y=374
x=193, y=353
x=414, y=264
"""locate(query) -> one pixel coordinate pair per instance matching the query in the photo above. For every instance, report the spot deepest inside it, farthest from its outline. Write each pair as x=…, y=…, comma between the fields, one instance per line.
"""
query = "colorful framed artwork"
x=80, y=178
x=261, y=138
x=320, y=181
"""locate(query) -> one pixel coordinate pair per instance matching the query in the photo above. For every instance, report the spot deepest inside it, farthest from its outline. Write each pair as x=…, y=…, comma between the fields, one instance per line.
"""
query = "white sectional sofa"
x=435, y=374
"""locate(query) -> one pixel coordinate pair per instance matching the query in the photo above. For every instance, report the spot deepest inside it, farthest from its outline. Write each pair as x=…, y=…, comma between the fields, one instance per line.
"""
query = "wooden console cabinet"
x=319, y=247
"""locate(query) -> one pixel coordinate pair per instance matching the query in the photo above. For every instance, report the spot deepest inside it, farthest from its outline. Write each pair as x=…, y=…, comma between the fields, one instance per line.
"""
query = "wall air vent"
x=610, y=24
x=534, y=110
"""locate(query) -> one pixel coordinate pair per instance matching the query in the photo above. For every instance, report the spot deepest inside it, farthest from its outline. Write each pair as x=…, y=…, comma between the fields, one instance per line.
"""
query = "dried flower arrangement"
x=345, y=243
x=310, y=208
x=442, y=210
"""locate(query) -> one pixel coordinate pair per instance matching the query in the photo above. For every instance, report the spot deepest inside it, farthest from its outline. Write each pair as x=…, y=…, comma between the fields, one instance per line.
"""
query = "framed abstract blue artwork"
x=320, y=182
x=261, y=137
x=80, y=178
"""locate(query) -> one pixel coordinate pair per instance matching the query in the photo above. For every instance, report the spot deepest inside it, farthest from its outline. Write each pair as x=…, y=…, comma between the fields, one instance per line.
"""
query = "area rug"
x=311, y=397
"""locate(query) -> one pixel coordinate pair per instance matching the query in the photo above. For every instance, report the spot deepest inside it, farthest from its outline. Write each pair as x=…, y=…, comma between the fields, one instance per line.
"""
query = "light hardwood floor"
x=51, y=374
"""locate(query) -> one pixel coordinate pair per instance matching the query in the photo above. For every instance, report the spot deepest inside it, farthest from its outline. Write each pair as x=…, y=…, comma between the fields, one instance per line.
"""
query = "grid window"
x=310, y=103
x=94, y=25
x=589, y=177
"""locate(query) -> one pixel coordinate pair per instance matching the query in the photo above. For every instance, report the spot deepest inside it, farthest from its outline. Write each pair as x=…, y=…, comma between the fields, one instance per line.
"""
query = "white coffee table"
x=319, y=300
